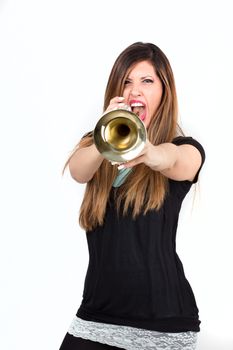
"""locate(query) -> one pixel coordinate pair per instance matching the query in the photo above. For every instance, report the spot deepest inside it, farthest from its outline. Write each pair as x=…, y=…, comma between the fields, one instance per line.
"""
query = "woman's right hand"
x=117, y=103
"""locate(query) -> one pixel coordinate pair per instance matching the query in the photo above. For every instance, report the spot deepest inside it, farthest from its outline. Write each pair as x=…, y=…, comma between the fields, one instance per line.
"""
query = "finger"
x=114, y=163
x=115, y=106
x=115, y=103
x=131, y=163
x=117, y=99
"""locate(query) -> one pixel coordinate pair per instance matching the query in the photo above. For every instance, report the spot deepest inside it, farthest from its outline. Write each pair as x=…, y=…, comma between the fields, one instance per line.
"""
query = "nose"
x=135, y=91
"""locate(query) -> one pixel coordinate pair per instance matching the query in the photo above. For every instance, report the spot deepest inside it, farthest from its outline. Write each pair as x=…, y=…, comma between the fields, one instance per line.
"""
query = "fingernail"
x=120, y=167
x=121, y=98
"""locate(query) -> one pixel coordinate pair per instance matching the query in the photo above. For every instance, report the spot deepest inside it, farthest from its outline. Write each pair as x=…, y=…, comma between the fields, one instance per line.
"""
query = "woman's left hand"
x=149, y=156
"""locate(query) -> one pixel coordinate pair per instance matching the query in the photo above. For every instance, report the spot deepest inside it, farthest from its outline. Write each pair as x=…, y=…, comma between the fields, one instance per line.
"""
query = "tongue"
x=138, y=110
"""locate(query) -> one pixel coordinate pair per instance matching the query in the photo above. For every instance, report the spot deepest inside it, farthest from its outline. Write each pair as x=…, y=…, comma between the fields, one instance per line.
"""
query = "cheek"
x=157, y=99
x=125, y=93
x=153, y=105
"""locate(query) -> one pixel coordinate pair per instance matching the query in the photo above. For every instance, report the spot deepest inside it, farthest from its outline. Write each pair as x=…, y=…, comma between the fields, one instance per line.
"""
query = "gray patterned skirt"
x=131, y=338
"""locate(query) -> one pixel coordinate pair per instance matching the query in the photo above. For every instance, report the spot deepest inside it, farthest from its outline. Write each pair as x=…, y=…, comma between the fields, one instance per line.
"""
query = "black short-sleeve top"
x=135, y=277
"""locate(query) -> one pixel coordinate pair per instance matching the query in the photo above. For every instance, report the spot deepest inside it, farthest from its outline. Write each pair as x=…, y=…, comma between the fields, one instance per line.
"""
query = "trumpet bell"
x=120, y=135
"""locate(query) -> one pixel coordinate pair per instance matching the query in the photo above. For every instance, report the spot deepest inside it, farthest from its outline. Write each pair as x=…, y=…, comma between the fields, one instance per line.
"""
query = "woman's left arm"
x=175, y=162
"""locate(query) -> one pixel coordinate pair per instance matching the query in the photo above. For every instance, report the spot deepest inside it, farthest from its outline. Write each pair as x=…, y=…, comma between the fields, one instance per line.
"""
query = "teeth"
x=137, y=104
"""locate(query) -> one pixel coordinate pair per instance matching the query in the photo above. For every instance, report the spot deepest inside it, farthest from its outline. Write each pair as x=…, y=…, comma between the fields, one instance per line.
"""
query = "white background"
x=55, y=57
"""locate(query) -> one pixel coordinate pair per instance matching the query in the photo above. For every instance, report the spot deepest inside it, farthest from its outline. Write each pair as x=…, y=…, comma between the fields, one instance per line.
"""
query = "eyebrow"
x=146, y=76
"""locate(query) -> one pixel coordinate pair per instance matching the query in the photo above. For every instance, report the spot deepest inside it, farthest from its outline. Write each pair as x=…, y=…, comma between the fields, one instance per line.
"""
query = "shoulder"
x=190, y=159
x=188, y=140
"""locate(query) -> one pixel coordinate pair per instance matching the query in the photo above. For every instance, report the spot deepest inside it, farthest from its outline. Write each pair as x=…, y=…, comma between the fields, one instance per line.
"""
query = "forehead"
x=142, y=69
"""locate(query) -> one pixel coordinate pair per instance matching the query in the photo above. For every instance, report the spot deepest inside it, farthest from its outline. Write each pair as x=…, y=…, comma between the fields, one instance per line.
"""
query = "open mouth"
x=139, y=109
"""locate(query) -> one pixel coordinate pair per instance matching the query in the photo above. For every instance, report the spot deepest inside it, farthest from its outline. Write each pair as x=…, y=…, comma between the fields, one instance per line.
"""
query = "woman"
x=136, y=295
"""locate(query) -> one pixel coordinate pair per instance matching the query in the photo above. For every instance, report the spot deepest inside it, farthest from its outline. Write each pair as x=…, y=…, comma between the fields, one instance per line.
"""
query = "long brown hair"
x=144, y=189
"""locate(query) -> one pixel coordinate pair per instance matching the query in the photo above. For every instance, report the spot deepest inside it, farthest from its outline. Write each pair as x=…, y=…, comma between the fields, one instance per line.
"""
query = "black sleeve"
x=182, y=140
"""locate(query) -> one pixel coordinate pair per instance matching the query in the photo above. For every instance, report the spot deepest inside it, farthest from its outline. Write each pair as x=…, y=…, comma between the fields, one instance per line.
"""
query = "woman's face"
x=143, y=91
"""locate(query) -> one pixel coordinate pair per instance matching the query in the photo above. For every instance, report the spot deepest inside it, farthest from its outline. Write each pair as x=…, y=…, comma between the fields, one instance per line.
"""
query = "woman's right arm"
x=86, y=160
x=84, y=163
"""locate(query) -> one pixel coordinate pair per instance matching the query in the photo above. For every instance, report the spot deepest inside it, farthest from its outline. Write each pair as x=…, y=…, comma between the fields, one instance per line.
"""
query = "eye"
x=148, y=80
x=127, y=81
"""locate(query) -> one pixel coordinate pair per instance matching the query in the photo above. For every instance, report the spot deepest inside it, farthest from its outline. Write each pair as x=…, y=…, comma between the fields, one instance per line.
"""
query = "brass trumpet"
x=120, y=135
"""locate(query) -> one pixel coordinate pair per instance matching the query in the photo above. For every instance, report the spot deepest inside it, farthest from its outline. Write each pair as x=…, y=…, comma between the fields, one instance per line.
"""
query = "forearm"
x=177, y=162
x=84, y=163
x=164, y=157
